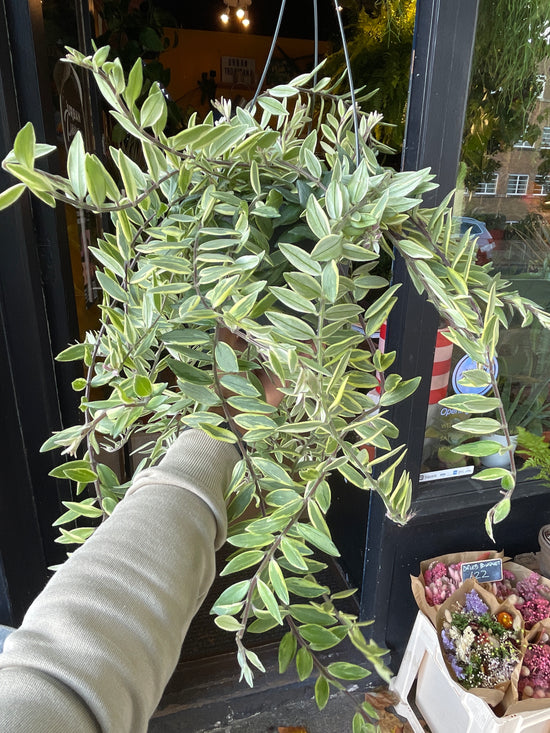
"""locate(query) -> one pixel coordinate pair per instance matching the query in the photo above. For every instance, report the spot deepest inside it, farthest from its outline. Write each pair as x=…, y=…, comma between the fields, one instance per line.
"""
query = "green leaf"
x=305, y=588
x=250, y=540
x=470, y=403
x=186, y=337
x=277, y=580
x=316, y=218
x=255, y=178
x=481, y=448
x=95, y=179
x=347, y=671
x=135, y=83
x=414, y=250
x=11, y=195
x=83, y=509
x=293, y=300
x=76, y=166
x=317, y=538
x=108, y=504
x=322, y=692
x=33, y=179
x=266, y=594
x=329, y=281
x=242, y=561
x=304, y=284
x=240, y=385
x=300, y=259
x=226, y=358
x=142, y=385
x=478, y=426
x=291, y=326
x=273, y=470
x=501, y=510
x=228, y=623
x=254, y=659
x=400, y=392
x=75, y=471
x=492, y=474
x=318, y=637
x=475, y=378
x=111, y=287
x=328, y=248
x=307, y=614
x=128, y=174
x=250, y=404
x=304, y=663
x=359, y=725
x=75, y=536
x=72, y=353
x=24, y=145
x=153, y=108
x=218, y=433
x=334, y=200
x=273, y=106
x=292, y=555
x=287, y=650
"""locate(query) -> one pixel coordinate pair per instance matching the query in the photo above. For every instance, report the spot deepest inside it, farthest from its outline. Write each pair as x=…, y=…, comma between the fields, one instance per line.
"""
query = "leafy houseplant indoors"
x=266, y=224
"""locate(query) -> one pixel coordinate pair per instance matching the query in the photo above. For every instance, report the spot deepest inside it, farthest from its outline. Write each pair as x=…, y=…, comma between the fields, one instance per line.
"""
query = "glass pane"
x=503, y=195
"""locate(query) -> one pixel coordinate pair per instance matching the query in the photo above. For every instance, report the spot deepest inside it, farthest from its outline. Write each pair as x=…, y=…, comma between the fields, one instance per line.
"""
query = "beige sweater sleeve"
x=98, y=645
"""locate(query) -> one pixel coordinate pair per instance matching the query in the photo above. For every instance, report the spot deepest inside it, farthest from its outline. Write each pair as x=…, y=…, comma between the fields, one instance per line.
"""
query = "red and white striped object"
x=441, y=367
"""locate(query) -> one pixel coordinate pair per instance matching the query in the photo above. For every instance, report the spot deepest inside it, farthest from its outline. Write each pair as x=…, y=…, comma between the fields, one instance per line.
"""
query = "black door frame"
x=38, y=319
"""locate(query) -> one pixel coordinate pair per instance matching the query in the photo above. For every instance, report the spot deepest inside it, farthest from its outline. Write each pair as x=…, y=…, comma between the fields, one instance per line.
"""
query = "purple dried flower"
x=457, y=669
x=528, y=588
x=448, y=643
x=474, y=604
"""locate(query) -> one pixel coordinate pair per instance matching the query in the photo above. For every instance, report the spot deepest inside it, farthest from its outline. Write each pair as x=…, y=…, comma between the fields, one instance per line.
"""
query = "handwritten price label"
x=485, y=571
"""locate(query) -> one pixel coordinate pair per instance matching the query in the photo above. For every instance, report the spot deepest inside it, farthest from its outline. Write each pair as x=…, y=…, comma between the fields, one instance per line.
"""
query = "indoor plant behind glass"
x=268, y=224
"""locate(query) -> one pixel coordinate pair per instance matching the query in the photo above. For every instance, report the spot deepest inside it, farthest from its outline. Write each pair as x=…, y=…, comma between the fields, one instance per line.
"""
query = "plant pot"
x=499, y=460
x=544, y=556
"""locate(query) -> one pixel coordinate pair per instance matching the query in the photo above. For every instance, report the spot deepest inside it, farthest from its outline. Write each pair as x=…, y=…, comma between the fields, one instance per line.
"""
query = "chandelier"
x=240, y=11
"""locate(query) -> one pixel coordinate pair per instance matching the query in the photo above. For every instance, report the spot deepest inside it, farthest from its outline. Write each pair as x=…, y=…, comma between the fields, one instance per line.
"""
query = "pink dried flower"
x=533, y=610
x=454, y=572
x=529, y=587
x=435, y=571
x=441, y=582
x=535, y=681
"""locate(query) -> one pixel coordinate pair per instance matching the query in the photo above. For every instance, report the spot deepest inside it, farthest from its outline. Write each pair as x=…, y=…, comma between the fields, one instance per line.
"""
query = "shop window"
x=517, y=184
x=516, y=243
x=487, y=188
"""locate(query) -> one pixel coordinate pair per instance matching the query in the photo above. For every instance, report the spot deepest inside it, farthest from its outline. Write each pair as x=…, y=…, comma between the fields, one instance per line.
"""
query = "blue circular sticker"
x=465, y=364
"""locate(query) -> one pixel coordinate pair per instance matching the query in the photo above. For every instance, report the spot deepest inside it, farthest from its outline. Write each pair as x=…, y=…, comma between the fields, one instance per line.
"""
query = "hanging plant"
x=241, y=253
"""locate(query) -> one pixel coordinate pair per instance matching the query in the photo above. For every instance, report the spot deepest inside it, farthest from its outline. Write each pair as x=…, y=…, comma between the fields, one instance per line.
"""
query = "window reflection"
x=503, y=195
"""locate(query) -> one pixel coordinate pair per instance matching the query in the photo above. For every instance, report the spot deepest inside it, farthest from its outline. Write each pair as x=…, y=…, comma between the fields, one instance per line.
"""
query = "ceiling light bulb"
x=246, y=22
x=224, y=17
x=240, y=13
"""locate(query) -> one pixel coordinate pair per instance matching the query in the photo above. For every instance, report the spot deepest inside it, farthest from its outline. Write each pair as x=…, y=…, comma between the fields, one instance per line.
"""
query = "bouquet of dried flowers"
x=482, y=645
x=441, y=581
x=527, y=591
x=441, y=576
x=534, y=681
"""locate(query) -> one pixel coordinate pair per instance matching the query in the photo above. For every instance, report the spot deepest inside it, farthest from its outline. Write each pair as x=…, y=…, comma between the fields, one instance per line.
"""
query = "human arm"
x=98, y=645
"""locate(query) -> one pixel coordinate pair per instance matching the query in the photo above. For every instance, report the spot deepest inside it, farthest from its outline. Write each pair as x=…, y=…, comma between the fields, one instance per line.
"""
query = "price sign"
x=485, y=571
